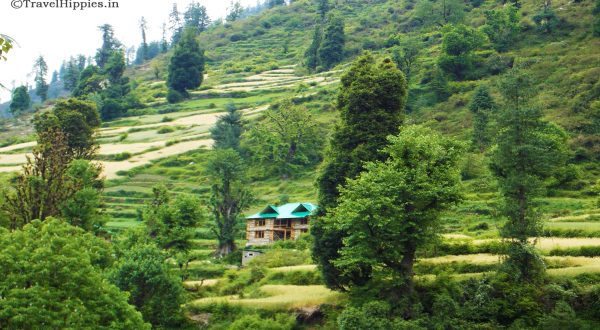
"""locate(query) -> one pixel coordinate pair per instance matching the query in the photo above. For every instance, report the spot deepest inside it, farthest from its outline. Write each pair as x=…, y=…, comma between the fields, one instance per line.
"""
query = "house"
x=275, y=223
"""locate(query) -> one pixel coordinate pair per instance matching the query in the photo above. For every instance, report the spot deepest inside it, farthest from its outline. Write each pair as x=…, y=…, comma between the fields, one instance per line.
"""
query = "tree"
x=323, y=8
x=458, y=44
x=109, y=45
x=41, y=85
x=546, y=20
x=286, y=140
x=274, y=3
x=20, y=100
x=440, y=12
x=175, y=25
x=234, y=12
x=186, y=69
x=50, y=270
x=312, y=53
x=230, y=196
x=528, y=151
x=331, y=51
x=405, y=54
x=164, y=44
x=90, y=81
x=481, y=107
x=154, y=290
x=398, y=203
x=77, y=120
x=196, y=17
x=228, y=130
x=596, y=21
x=439, y=85
x=502, y=26
x=371, y=103
x=144, y=46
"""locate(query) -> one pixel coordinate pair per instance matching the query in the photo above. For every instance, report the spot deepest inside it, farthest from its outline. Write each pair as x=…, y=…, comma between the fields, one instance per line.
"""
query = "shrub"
x=174, y=96
x=165, y=130
x=255, y=322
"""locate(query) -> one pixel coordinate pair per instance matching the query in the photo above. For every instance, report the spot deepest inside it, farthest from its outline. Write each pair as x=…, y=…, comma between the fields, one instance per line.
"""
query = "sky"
x=58, y=33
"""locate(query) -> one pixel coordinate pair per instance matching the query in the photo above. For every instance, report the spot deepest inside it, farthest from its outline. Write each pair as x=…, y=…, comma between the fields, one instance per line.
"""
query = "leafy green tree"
x=41, y=85
x=596, y=21
x=312, y=53
x=546, y=20
x=481, y=107
x=331, y=51
x=186, y=70
x=286, y=140
x=89, y=81
x=5, y=46
x=196, y=16
x=440, y=12
x=20, y=100
x=230, y=196
x=405, y=54
x=228, y=130
x=371, y=104
x=529, y=151
x=78, y=120
x=234, y=12
x=458, y=43
x=398, y=203
x=109, y=45
x=154, y=290
x=50, y=270
x=502, y=26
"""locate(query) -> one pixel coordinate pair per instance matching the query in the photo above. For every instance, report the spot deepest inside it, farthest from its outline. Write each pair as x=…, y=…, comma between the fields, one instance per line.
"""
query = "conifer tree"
x=186, y=69
x=359, y=137
x=143, y=27
x=109, y=45
x=20, y=100
x=331, y=51
x=311, y=55
x=481, y=107
x=228, y=130
x=41, y=86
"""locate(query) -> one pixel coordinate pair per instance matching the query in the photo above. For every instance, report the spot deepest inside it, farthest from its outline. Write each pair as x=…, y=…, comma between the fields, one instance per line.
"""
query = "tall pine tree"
x=481, y=107
x=312, y=53
x=371, y=103
x=331, y=51
x=186, y=69
x=41, y=86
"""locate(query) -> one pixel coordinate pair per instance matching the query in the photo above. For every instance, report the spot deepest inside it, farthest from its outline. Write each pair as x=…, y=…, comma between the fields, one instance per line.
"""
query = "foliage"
x=51, y=269
x=186, y=69
x=546, y=20
x=285, y=141
x=502, y=26
x=458, y=43
x=5, y=46
x=331, y=51
x=312, y=53
x=482, y=107
x=280, y=322
x=196, y=17
x=41, y=85
x=230, y=196
x=228, y=130
x=371, y=105
x=398, y=202
x=440, y=12
x=405, y=54
x=596, y=21
x=20, y=100
x=153, y=289
x=109, y=45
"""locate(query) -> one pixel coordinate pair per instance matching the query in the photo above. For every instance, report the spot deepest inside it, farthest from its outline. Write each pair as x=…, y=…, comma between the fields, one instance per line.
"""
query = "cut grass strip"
x=294, y=268
x=282, y=297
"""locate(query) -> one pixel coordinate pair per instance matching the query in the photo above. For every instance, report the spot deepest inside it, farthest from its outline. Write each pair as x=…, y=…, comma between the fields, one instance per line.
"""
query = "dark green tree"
x=89, y=82
x=41, y=85
x=312, y=53
x=230, y=196
x=546, y=20
x=228, y=130
x=144, y=45
x=529, y=150
x=186, y=69
x=331, y=51
x=164, y=44
x=154, y=290
x=196, y=17
x=482, y=105
x=50, y=270
x=439, y=85
x=397, y=202
x=323, y=7
x=20, y=100
x=502, y=26
x=109, y=45
x=371, y=104
x=458, y=44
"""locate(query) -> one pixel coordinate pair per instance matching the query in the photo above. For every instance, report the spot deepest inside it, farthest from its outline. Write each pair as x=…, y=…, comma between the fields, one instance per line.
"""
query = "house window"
x=304, y=221
x=261, y=223
x=259, y=234
x=304, y=231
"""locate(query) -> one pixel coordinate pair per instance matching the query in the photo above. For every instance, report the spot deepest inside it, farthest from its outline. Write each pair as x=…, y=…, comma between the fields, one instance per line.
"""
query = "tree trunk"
x=226, y=248
x=406, y=270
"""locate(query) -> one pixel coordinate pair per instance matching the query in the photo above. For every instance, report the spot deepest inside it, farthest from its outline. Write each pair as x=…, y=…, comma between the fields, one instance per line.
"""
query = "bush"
x=165, y=130
x=174, y=96
x=122, y=156
x=282, y=258
x=255, y=322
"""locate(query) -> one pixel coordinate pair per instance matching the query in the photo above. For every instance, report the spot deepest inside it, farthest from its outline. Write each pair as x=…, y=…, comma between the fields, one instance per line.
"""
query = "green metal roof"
x=287, y=211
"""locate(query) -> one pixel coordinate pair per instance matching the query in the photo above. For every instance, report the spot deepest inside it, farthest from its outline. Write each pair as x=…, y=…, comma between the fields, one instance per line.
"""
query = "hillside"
x=255, y=63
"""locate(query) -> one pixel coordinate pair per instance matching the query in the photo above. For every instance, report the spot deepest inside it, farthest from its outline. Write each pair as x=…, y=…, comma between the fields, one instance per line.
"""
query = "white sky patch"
x=58, y=33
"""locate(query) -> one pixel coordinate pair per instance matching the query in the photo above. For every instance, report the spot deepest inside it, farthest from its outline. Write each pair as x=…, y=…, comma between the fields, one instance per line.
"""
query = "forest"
x=450, y=149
